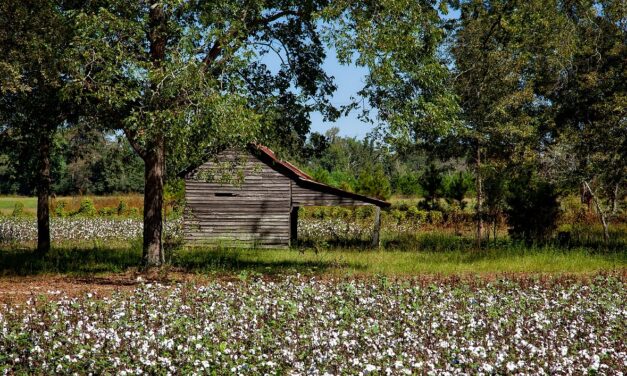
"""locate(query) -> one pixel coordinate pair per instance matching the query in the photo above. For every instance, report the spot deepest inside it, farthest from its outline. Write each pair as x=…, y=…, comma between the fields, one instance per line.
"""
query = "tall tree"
x=590, y=148
x=507, y=55
x=34, y=36
x=187, y=78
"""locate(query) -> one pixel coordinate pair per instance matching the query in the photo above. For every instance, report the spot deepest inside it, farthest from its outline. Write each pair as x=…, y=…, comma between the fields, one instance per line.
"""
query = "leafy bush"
x=436, y=217
x=59, y=209
x=122, y=208
x=417, y=215
x=406, y=184
x=87, y=208
x=456, y=187
x=107, y=212
x=18, y=209
x=431, y=182
x=364, y=212
x=373, y=182
x=533, y=209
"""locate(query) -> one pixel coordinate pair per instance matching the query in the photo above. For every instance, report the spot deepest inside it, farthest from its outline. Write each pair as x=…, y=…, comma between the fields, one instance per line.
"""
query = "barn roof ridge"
x=300, y=175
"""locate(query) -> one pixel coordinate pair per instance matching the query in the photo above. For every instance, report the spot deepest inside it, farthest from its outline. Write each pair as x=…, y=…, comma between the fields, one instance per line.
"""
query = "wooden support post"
x=293, y=226
x=377, y=227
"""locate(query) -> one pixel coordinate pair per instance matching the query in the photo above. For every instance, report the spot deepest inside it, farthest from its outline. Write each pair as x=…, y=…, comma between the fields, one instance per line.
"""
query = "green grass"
x=97, y=259
x=7, y=204
x=347, y=262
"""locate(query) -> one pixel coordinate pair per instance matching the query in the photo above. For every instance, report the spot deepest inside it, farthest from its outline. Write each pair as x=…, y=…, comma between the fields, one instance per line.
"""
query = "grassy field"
x=7, y=204
x=72, y=203
x=99, y=259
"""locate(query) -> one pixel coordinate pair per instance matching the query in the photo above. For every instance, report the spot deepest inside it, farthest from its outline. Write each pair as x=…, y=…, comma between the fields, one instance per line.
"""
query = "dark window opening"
x=225, y=194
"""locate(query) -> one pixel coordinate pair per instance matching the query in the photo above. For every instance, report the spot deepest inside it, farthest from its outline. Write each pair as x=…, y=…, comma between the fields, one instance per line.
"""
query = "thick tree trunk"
x=154, y=154
x=479, y=206
x=153, y=205
x=43, y=195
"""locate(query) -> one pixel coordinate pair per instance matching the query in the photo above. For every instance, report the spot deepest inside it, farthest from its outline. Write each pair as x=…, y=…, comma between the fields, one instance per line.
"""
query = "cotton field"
x=23, y=229
x=76, y=229
x=314, y=327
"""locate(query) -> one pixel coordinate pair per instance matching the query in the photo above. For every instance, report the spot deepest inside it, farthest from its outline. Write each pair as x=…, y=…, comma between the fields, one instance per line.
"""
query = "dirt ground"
x=18, y=289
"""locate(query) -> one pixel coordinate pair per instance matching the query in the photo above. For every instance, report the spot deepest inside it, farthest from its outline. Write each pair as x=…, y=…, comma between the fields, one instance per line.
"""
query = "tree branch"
x=251, y=27
x=131, y=136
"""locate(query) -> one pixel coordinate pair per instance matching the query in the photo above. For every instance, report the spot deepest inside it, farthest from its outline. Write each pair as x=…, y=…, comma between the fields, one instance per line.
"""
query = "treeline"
x=83, y=161
x=369, y=167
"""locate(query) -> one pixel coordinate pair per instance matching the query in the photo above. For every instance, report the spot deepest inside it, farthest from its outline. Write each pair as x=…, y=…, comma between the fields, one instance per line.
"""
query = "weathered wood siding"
x=305, y=196
x=252, y=211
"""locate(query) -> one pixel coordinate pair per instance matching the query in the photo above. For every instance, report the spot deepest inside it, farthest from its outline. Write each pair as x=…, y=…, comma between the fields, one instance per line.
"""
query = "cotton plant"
x=77, y=229
x=324, y=327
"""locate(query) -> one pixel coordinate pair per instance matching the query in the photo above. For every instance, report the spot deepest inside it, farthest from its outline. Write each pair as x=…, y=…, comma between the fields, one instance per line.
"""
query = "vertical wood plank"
x=377, y=227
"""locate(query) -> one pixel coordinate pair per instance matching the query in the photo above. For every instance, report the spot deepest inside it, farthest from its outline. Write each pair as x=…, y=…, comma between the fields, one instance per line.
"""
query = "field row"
x=306, y=326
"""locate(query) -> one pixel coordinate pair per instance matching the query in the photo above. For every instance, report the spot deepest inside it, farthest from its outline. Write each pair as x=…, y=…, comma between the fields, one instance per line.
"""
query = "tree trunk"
x=43, y=194
x=479, y=206
x=153, y=205
x=600, y=212
x=154, y=156
x=614, y=198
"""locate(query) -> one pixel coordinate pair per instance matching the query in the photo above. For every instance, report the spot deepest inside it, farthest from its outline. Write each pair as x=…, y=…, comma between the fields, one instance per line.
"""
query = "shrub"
x=364, y=212
x=533, y=209
x=431, y=182
x=87, y=208
x=406, y=184
x=419, y=216
x=373, y=182
x=122, y=208
x=107, y=212
x=436, y=217
x=18, y=209
x=398, y=216
x=456, y=187
x=59, y=209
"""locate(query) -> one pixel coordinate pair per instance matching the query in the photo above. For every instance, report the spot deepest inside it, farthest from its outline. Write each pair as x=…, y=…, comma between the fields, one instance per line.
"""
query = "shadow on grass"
x=78, y=261
x=257, y=260
x=98, y=260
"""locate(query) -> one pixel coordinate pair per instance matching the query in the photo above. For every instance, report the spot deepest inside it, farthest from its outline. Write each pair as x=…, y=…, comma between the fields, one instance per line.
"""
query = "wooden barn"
x=251, y=198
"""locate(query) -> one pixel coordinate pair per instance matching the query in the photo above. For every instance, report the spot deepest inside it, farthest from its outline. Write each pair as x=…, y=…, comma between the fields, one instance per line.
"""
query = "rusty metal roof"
x=268, y=152
x=310, y=181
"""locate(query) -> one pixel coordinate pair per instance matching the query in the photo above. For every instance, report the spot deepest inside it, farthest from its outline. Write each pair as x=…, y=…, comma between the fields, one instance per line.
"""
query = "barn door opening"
x=293, y=226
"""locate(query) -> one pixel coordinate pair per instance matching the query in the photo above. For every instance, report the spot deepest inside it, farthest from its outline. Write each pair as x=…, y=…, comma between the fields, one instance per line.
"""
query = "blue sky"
x=349, y=79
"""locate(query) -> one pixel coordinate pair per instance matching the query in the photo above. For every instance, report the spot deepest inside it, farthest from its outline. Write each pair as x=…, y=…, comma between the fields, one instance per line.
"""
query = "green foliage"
x=174, y=195
x=107, y=212
x=533, y=209
x=87, y=208
x=435, y=217
x=18, y=209
x=408, y=81
x=431, y=182
x=122, y=208
x=417, y=215
x=457, y=186
x=372, y=181
x=60, y=209
x=406, y=184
